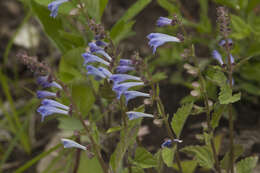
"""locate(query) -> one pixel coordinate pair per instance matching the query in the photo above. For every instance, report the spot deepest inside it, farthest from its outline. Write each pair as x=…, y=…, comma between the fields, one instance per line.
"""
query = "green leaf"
x=252, y=4
x=69, y=123
x=168, y=155
x=218, y=112
x=202, y=154
x=75, y=39
x=240, y=28
x=180, y=117
x=216, y=76
x=106, y=91
x=114, y=129
x=168, y=6
x=64, y=8
x=93, y=9
x=238, y=150
x=226, y=97
x=102, y=6
x=88, y=165
x=188, y=166
x=247, y=165
x=229, y=3
x=158, y=77
x=144, y=159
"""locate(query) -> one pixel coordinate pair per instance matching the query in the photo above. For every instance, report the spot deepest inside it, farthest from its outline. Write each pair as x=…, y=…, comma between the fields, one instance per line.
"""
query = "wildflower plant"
x=97, y=93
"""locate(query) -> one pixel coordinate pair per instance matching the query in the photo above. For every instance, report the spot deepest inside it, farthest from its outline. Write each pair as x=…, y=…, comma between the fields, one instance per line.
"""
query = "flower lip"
x=88, y=58
x=45, y=83
x=49, y=110
x=98, y=75
x=118, y=78
x=99, y=50
x=129, y=95
x=121, y=88
x=105, y=71
x=216, y=55
x=134, y=115
x=67, y=143
x=53, y=103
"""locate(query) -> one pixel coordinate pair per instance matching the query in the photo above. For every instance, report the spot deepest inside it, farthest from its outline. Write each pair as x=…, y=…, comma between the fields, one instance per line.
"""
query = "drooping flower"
x=53, y=103
x=129, y=95
x=54, y=6
x=134, y=115
x=124, y=69
x=45, y=83
x=46, y=110
x=158, y=39
x=118, y=78
x=98, y=75
x=125, y=62
x=105, y=71
x=121, y=88
x=223, y=42
x=45, y=94
x=67, y=143
x=216, y=55
x=163, y=21
x=99, y=50
x=88, y=58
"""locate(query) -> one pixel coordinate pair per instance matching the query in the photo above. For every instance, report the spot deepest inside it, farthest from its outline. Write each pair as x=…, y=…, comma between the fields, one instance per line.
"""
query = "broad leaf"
x=168, y=155
x=226, y=97
x=247, y=165
x=144, y=159
x=188, y=166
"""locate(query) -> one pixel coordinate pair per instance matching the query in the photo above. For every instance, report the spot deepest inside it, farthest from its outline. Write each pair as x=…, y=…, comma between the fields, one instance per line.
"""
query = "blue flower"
x=124, y=69
x=232, y=59
x=216, y=55
x=101, y=43
x=223, y=42
x=99, y=50
x=167, y=143
x=134, y=115
x=129, y=95
x=118, y=78
x=49, y=110
x=105, y=71
x=163, y=21
x=88, y=58
x=158, y=39
x=54, y=6
x=44, y=94
x=121, y=88
x=53, y=103
x=98, y=75
x=125, y=62
x=45, y=83
x=67, y=143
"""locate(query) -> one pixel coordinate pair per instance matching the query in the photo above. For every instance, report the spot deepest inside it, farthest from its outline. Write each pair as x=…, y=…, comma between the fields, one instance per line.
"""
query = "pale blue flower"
x=54, y=6
x=121, y=88
x=45, y=83
x=67, y=143
x=232, y=59
x=44, y=94
x=134, y=115
x=216, y=55
x=99, y=50
x=88, y=58
x=125, y=62
x=118, y=78
x=46, y=110
x=223, y=42
x=167, y=143
x=105, y=71
x=124, y=69
x=163, y=21
x=129, y=95
x=98, y=75
x=53, y=103
x=101, y=43
x=158, y=39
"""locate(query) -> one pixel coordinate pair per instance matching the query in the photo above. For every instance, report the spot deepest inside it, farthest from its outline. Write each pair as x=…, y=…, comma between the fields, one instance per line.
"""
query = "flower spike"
x=134, y=115
x=67, y=143
x=54, y=6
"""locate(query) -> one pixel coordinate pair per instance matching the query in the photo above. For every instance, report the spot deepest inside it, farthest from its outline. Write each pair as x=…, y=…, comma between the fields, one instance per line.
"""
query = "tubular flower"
x=125, y=62
x=98, y=75
x=105, y=71
x=129, y=95
x=163, y=21
x=216, y=55
x=88, y=58
x=67, y=143
x=99, y=50
x=167, y=143
x=101, y=43
x=118, y=78
x=124, y=69
x=134, y=115
x=46, y=110
x=45, y=83
x=44, y=94
x=121, y=88
x=158, y=39
x=54, y=6
x=53, y=103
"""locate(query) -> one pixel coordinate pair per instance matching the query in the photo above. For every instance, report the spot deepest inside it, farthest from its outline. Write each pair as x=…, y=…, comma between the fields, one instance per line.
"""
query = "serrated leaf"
x=226, y=97
x=188, y=166
x=216, y=76
x=180, y=117
x=69, y=123
x=168, y=155
x=144, y=159
x=202, y=154
x=247, y=165
x=238, y=150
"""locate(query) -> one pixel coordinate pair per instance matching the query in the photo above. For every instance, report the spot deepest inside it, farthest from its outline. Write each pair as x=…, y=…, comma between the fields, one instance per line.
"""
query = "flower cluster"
x=217, y=56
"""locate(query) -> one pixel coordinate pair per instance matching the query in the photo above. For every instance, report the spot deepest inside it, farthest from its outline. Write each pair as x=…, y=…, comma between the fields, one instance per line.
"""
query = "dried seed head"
x=223, y=20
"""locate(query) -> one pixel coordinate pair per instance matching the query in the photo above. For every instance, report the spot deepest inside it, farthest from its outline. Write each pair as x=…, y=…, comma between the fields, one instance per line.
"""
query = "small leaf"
x=216, y=76
x=226, y=97
x=188, y=166
x=247, y=165
x=114, y=129
x=180, y=117
x=168, y=155
x=144, y=159
x=69, y=123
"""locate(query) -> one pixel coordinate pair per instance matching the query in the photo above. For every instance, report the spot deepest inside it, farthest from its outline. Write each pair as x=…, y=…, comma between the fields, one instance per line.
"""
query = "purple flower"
x=67, y=143
x=134, y=115
x=45, y=83
x=101, y=43
x=118, y=78
x=223, y=42
x=46, y=110
x=98, y=75
x=232, y=59
x=88, y=58
x=105, y=71
x=121, y=88
x=99, y=50
x=163, y=21
x=54, y=6
x=44, y=94
x=129, y=95
x=158, y=39
x=125, y=62
x=53, y=103
x=216, y=55
x=167, y=143
x=124, y=69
